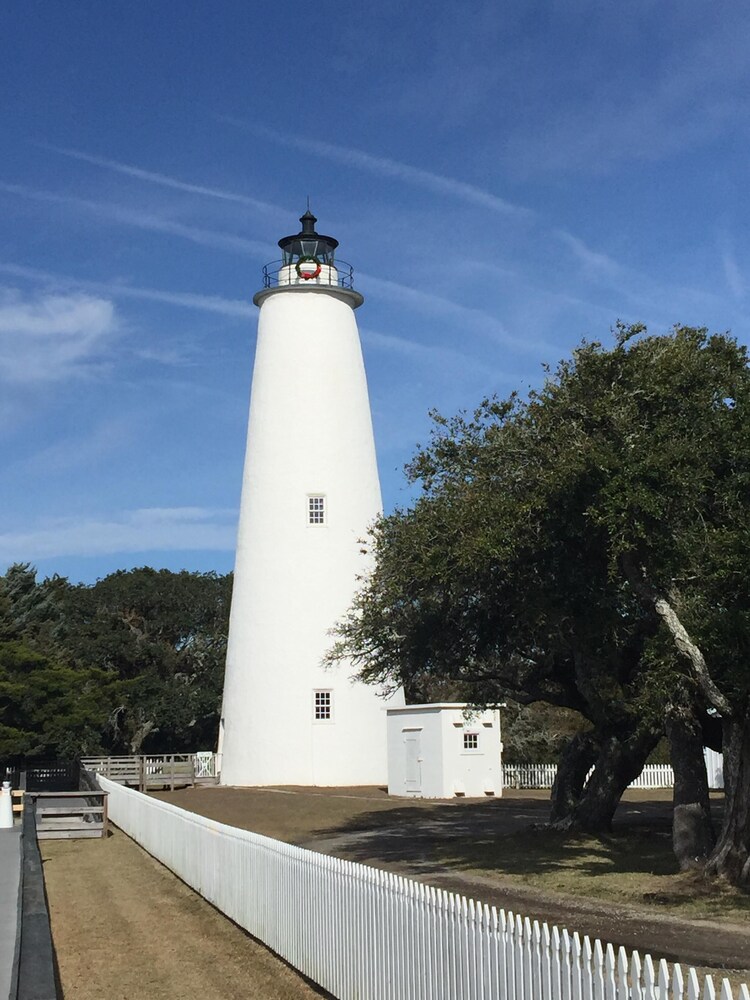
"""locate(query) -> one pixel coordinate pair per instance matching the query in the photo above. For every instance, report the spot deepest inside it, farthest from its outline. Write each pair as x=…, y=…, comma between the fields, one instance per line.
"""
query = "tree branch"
x=636, y=577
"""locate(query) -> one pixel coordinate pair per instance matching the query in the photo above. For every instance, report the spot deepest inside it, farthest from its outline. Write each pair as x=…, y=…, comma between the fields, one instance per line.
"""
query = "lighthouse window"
x=316, y=510
x=471, y=741
x=323, y=706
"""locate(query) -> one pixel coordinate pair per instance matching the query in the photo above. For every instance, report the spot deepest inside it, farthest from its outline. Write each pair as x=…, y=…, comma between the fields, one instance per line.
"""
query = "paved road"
x=10, y=871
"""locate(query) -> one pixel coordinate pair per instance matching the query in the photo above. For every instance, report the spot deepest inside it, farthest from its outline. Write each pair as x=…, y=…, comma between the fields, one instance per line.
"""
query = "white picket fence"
x=529, y=775
x=654, y=776
x=366, y=934
x=543, y=776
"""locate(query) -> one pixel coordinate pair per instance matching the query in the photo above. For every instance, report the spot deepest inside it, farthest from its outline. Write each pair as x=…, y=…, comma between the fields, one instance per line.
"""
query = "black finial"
x=308, y=221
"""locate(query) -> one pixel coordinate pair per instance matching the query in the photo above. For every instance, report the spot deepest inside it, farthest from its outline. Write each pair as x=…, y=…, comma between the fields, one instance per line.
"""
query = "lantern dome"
x=308, y=243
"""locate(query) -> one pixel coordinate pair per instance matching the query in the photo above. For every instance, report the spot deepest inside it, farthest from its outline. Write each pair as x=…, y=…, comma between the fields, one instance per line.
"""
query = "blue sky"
x=506, y=179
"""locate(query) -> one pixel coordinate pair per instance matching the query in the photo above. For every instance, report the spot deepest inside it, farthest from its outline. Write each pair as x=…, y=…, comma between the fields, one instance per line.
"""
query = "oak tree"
x=586, y=546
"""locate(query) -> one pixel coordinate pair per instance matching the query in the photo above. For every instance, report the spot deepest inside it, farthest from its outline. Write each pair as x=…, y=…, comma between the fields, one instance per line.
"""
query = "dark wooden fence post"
x=37, y=969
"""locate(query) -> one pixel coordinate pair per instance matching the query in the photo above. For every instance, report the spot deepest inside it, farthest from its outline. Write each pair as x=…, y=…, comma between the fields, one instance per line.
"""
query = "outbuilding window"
x=471, y=741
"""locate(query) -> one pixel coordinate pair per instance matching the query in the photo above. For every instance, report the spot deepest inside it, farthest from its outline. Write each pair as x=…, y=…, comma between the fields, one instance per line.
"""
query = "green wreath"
x=305, y=275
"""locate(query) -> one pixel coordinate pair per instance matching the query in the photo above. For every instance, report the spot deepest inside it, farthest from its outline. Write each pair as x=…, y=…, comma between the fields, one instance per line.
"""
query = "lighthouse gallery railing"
x=280, y=274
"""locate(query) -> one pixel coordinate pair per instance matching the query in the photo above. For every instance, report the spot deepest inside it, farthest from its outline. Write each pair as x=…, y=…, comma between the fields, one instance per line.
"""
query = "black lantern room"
x=307, y=245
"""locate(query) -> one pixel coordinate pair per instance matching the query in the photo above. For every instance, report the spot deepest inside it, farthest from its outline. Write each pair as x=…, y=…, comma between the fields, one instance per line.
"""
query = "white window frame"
x=315, y=705
x=311, y=497
x=466, y=735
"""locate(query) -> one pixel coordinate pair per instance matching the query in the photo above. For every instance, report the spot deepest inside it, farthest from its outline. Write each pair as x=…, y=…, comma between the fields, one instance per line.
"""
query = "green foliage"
x=508, y=574
x=131, y=664
x=48, y=709
x=538, y=733
x=588, y=547
x=31, y=608
x=165, y=633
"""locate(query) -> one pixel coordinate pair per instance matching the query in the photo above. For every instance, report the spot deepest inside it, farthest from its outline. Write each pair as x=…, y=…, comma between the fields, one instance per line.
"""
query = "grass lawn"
x=633, y=867
x=499, y=841
x=623, y=887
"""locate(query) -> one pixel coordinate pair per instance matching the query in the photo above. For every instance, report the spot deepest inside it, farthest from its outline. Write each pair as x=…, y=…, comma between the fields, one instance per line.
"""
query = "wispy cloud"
x=146, y=220
x=430, y=304
x=653, y=299
x=52, y=337
x=448, y=360
x=164, y=180
x=146, y=530
x=384, y=167
x=732, y=272
x=594, y=262
x=426, y=303
x=694, y=93
x=184, y=300
x=80, y=450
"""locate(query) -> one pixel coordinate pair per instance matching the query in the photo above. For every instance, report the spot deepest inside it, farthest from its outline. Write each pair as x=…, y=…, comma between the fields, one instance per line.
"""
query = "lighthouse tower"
x=309, y=491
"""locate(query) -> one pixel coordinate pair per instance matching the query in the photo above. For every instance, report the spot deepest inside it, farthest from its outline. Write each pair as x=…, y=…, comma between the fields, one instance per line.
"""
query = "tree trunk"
x=731, y=856
x=692, y=830
x=620, y=761
x=576, y=761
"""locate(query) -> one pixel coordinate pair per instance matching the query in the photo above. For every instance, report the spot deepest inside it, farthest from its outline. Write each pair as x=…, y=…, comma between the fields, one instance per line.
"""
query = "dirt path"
x=719, y=949
x=125, y=928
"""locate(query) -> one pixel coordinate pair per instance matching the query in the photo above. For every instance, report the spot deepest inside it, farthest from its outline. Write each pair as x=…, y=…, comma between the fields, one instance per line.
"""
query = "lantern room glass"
x=308, y=243
x=320, y=249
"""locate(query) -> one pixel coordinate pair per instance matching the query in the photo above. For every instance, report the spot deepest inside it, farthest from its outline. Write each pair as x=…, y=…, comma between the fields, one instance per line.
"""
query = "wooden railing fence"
x=364, y=933
x=70, y=815
x=66, y=799
x=144, y=771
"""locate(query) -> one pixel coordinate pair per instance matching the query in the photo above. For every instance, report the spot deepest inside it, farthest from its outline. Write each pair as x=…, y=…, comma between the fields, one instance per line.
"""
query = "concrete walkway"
x=10, y=873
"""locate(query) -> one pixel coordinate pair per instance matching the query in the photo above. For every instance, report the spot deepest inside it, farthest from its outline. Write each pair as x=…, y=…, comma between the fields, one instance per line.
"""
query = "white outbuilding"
x=444, y=750
x=714, y=768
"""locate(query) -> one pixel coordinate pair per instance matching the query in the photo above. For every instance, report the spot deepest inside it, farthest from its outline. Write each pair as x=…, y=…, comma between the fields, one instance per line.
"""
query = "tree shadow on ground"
x=505, y=836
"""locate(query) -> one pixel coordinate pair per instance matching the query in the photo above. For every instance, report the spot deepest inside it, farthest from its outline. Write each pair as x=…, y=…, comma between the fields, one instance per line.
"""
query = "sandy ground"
x=125, y=928
x=452, y=844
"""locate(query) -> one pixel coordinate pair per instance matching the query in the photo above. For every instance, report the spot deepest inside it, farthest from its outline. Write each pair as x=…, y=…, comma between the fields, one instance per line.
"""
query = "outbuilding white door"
x=413, y=745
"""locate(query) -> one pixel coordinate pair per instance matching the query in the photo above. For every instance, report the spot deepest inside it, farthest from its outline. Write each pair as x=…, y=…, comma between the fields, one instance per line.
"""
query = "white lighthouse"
x=309, y=491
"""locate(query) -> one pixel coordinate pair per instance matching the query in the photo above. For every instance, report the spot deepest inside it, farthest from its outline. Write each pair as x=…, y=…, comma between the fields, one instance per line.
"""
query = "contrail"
x=185, y=300
x=164, y=180
x=389, y=168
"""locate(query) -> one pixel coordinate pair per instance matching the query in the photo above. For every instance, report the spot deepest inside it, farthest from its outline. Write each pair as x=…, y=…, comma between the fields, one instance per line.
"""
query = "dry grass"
x=125, y=928
x=503, y=838
x=634, y=868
